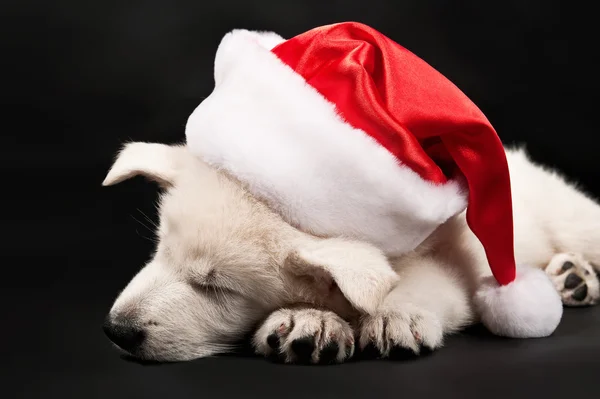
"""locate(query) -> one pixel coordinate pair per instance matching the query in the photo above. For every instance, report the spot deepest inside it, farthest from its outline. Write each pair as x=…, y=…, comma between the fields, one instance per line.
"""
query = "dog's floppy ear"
x=361, y=271
x=157, y=162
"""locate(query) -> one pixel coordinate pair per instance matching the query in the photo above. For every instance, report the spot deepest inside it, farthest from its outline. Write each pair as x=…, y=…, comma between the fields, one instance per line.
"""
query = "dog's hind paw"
x=305, y=335
x=575, y=279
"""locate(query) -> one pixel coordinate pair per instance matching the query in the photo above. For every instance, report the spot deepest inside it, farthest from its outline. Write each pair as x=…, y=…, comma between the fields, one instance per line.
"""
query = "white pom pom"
x=529, y=307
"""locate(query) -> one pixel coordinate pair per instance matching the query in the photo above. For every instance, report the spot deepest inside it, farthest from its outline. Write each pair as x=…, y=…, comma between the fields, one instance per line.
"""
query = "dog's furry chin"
x=225, y=262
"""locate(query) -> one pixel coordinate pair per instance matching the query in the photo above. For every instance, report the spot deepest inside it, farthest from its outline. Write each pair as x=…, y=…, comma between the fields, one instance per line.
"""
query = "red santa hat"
x=345, y=132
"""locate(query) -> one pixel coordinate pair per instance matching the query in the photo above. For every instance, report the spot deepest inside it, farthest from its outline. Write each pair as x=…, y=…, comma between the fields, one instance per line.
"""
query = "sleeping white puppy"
x=226, y=262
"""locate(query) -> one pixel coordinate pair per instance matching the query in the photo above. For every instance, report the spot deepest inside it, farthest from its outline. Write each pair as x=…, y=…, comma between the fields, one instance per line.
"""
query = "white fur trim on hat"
x=266, y=126
x=529, y=307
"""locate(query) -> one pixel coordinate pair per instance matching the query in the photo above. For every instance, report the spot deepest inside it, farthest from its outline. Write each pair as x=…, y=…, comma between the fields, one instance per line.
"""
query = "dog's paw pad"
x=574, y=279
x=273, y=341
x=400, y=334
x=329, y=353
x=303, y=349
x=305, y=336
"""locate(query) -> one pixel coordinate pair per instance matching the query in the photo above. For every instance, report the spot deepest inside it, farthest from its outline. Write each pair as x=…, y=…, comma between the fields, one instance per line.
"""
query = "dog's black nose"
x=125, y=334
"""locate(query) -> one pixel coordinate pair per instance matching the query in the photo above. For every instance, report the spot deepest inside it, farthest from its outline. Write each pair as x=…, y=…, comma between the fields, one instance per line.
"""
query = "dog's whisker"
x=147, y=218
x=152, y=240
x=142, y=224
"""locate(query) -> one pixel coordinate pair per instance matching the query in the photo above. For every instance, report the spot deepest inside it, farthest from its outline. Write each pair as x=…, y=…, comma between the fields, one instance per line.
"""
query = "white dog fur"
x=225, y=262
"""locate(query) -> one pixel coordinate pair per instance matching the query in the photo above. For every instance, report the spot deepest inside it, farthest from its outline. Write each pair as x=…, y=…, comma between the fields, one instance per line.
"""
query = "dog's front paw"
x=305, y=335
x=401, y=333
x=574, y=279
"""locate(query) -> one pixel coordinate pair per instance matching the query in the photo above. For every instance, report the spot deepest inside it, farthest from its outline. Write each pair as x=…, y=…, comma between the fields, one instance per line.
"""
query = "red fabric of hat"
x=418, y=115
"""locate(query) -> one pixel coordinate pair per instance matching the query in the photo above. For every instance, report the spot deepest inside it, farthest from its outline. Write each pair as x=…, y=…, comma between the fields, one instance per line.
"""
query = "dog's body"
x=225, y=261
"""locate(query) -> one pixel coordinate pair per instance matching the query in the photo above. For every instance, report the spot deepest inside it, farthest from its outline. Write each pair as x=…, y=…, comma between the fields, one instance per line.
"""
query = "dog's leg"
x=430, y=301
x=305, y=335
x=575, y=279
x=557, y=227
x=552, y=216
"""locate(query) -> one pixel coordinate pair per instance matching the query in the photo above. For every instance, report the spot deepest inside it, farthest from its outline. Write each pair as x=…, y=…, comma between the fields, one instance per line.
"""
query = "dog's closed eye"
x=210, y=284
x=203, y=280
x=209, y=278
x=214, y=292
x=207, y=288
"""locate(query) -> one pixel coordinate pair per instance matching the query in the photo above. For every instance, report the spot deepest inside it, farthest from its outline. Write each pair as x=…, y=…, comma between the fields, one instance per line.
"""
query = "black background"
x=82, y=77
